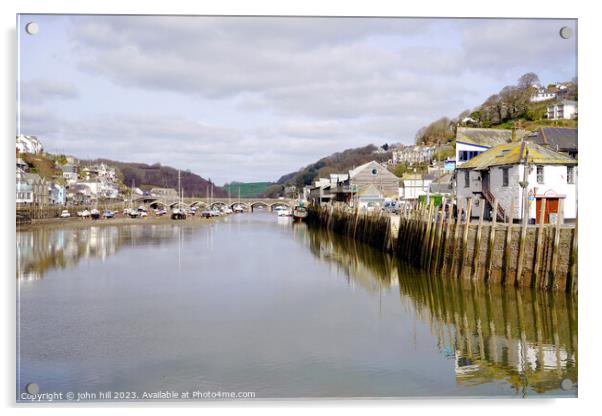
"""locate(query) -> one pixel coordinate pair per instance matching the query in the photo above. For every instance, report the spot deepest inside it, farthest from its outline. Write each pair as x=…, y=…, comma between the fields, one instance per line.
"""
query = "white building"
x=564, y=110
x=542, y=94
x=413, y=154
x=29, y=144
x=471, y=142
x=498, y=174
x=414, y=185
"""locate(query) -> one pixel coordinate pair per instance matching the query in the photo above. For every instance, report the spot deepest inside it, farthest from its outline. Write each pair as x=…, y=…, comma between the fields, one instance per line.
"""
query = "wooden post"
x=438, y=236
x=448, y=229
x=425, y=245
x=521, y=244
x=507, y=248
x=454, y=252
x=465, y=236
x=536, y=280
x=477, y=245
x=572, y=283
x=491, y=247
x=554, y=265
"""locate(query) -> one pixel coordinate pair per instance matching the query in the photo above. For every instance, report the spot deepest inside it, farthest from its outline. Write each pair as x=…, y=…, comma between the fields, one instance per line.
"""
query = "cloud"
x=38, y=90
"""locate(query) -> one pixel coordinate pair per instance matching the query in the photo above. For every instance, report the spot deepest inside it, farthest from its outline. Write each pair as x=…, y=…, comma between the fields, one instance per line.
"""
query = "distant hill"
x=339, y=162
x=147, y=176
x=247, y=189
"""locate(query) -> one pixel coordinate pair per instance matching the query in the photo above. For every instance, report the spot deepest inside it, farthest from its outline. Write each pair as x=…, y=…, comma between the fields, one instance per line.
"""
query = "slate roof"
x=483, y=137
x=515, y=153
x=559, y=139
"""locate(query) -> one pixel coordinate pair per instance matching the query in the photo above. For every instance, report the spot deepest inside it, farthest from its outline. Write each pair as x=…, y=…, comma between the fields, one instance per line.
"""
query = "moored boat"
x=95, y=214
x=299, y=211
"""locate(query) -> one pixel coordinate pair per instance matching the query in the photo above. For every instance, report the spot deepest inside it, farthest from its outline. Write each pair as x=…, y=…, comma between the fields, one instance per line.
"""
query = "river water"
x=253, y=303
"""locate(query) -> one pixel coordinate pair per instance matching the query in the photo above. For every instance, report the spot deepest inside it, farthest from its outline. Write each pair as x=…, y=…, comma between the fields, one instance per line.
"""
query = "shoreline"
x=75, y=222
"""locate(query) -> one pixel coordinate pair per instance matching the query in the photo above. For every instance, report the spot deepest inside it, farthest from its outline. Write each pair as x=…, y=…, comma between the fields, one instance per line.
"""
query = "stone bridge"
x=249, y=204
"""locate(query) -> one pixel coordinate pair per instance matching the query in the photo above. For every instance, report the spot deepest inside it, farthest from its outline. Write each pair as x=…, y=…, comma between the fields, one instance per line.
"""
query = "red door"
x=551, y=208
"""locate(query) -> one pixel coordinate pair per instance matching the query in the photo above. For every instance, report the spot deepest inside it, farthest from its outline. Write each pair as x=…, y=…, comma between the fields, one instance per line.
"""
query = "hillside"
x=248, y=189
x=510, y=108
x=339, y=162
x=147, y=176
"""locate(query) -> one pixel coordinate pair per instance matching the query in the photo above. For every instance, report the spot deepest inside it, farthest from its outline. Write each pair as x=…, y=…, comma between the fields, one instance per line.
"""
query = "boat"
x=179, y=213
x=283, y=212
x=299, y=211
x=65, y=214
x=107, y=214
x=95, y=214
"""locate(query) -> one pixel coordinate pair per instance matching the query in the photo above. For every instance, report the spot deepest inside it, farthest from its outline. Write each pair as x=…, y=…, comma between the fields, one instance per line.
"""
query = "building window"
x=570, y=174
x=540, y=177
x=466, y=179
x=505, y=176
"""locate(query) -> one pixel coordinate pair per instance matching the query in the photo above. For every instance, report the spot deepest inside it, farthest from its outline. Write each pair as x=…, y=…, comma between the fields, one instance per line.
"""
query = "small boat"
x=238, y=209
x=206, y=214
x=299, y=212
x=284, y=212
x=84, y=214
x=178, y=214
x=65, y=214
x=107, y=214
x=95, y=214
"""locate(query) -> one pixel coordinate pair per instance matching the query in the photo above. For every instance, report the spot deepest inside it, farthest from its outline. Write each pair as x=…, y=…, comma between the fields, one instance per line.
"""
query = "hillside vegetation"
x=340, y=162
x=147, y=176
x=247, y=189
x=510, y=108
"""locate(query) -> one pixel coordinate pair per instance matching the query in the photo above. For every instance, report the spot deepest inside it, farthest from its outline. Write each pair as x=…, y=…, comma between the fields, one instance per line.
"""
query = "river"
x=253, y=303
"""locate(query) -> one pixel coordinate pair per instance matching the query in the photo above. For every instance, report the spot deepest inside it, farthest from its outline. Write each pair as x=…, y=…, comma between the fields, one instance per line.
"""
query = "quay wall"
x=542, y=256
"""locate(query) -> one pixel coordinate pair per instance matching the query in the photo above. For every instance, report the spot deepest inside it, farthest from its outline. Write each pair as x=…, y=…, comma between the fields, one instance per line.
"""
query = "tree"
x=528, y=80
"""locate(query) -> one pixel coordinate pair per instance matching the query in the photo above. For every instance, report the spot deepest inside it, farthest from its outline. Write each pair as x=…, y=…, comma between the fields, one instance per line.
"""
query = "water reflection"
x=525, y=338
x=42, y=249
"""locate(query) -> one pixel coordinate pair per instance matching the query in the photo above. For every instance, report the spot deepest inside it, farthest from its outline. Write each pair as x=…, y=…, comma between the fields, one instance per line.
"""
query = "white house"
x=413, y=154
x=564, y=110
x=499, y=173
x=414, y=185
x=471, y=142
x=542, y=94
x=29, y=144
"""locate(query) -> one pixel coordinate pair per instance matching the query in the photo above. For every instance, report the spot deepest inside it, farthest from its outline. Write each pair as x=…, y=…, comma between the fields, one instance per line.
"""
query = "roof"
x=515, y=153
x=559, y=139
x=357, y=170
x=483, y=137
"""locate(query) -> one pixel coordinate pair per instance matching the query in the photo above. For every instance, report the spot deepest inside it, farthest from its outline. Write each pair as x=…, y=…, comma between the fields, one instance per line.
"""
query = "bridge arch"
x=280, y=204
x=198, y=204
x=178, y=204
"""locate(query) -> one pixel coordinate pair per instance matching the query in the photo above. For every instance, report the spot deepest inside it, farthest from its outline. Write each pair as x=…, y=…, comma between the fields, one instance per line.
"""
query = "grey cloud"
x=40, y=90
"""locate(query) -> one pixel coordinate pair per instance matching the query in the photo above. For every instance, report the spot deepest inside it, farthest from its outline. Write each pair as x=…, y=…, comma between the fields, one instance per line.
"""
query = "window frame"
x=466, y=179
x=540, y=176
x=570, y=175
x=505, y=177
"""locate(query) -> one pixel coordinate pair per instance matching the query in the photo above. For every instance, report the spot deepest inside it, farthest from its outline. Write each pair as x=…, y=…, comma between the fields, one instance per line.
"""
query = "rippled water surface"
x=255, y=304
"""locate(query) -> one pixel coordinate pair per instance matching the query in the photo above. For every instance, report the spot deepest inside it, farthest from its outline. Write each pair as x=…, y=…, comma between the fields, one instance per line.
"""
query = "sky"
x=252, y=98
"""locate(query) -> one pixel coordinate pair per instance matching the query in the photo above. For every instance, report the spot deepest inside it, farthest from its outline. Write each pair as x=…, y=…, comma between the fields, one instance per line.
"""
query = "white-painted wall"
x=554, y=185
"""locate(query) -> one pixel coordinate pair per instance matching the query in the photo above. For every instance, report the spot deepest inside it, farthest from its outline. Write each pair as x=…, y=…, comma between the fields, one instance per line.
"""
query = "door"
x=551, y=208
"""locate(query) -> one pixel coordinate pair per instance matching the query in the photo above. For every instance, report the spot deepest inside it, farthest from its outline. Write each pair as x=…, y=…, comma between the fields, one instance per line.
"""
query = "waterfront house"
x=319, y=193
x=559, y=139
x=414, y=185
x=443, y=185
x=24, y=189
x=350, y=186
x=499, y=174
x=564, y=110
x=56, y=194
x=471, y=142
x=34, y=183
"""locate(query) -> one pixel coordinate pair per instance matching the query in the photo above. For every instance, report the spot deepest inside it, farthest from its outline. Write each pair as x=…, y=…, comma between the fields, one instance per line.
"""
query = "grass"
x=247, y=190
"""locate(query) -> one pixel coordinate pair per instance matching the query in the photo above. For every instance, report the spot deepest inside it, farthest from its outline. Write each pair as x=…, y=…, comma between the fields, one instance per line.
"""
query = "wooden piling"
x=507, y=247
x=435, y=261
x=521, y=247
x=426, y=241
x=465, y=237
x=448, y=230
x=456, y=237
x=572, y=280
x=536, y=279
x=477, y=245
x=491, y=246
x=554, y=265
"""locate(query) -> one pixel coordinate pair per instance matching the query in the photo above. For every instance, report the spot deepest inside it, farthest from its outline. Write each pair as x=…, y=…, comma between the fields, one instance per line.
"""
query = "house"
x=29, y=144
x=471, y=142
x=69, y=173
x=360, y=178
x=56, y=194
x=24, y=189
x=320, y=193
x=414, y=185
x=499, y=174
x=370, y=196
x=413, y=154
x=564, y=110
x=559, y=139
x=542, y=94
